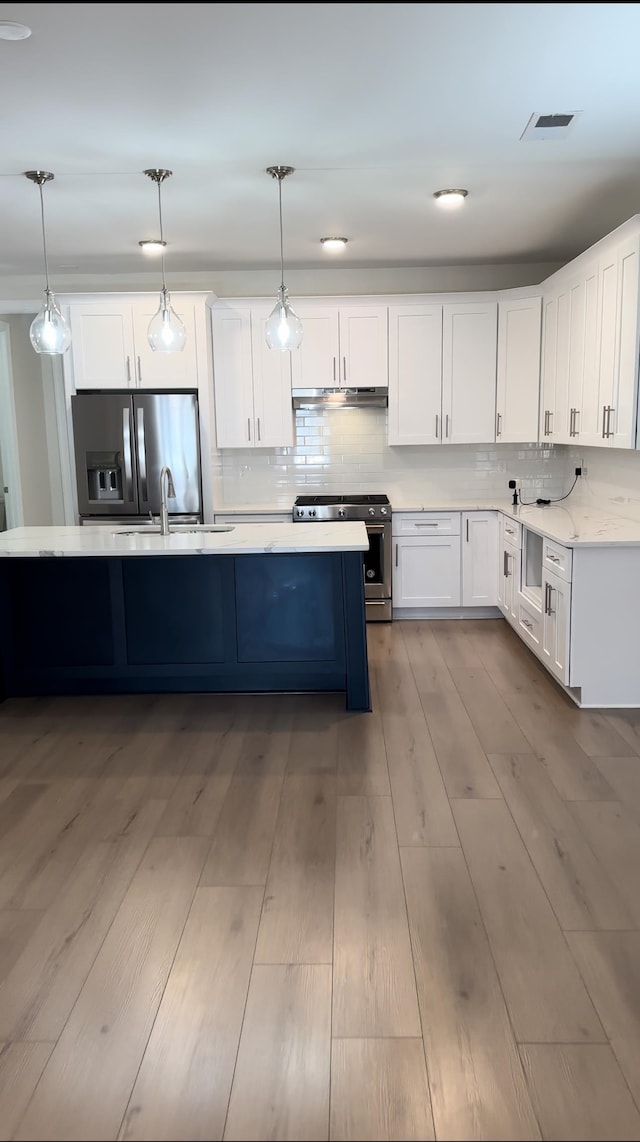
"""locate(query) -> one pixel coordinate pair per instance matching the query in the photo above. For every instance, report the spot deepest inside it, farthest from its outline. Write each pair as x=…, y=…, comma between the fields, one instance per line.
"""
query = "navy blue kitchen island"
x=230, y=622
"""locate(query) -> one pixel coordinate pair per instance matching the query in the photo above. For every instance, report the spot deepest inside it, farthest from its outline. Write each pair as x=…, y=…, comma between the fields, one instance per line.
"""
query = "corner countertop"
x=571, y=524
x=241, y=539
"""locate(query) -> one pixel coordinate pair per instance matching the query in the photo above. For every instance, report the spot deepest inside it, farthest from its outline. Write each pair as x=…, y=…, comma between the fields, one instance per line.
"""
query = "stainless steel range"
x=375, y=511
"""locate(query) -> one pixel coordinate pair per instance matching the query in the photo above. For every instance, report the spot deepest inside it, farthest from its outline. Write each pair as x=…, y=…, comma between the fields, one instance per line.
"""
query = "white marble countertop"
x=571, y=524
x=241, y=539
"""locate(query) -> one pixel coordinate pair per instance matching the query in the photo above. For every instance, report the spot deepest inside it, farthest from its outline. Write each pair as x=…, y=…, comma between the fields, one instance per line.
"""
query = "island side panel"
x=355, y=632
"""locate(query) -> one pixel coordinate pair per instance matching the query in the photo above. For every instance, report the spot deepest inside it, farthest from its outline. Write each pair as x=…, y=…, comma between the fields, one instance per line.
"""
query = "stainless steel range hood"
x=340, y=398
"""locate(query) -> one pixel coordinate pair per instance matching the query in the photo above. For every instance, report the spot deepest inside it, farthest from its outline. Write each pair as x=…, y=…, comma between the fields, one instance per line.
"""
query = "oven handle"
x=376, y=528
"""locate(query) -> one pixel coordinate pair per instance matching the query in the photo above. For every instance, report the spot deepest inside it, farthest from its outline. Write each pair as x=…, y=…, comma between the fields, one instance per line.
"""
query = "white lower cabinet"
x=556, y=595
x=426, y=571
x=479, y=559
x=509, y=581
x=445, y=559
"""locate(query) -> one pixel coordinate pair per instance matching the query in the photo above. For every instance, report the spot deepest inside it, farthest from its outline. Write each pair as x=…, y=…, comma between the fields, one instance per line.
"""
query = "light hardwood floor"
x=262, y=917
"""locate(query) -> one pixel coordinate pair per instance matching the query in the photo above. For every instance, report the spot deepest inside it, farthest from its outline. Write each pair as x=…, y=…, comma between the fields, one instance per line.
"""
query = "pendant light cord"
x=281, y=241
x=44, y=239
x=164, y=284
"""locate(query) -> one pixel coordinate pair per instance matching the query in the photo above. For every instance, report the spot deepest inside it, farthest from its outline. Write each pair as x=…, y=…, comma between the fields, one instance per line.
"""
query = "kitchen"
x=344, y=889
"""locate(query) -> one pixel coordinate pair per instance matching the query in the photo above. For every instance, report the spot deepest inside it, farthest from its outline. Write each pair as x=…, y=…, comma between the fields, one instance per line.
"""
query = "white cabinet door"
x=581, y=413
x=519, y=327
x=548, y=379
x=316, y=364
x=164, y=370
x=363, y=347
x=427, y=572
x=342, y=346
x=556, y=595
x=272, y=408
x=415, y=374
x=469, y=347
x=102, y=347
x=479, y=559
x=559, y=420
x=233, y=377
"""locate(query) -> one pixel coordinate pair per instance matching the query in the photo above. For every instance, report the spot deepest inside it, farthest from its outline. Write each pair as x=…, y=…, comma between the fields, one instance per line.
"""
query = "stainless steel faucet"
x=167, y=491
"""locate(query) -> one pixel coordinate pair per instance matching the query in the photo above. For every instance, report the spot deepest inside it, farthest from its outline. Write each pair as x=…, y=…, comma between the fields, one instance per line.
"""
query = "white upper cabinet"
x=519, y=326
x=590, y=347
x=415, y=374
x=442, y=372
x=110, y=350
x=469, y=347
x=252, y=383
x=343, y=346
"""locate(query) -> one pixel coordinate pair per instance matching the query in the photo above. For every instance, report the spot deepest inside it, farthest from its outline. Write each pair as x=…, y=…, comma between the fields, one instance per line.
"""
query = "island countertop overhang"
x=243, y=539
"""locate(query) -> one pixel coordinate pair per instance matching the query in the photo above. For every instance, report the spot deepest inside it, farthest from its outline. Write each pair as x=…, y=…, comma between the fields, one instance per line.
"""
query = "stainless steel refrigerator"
x=121, y=443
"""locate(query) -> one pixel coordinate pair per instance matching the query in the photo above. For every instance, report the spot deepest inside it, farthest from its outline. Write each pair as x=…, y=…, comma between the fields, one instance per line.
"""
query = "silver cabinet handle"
x=604, y=421
x=573, y=431
x=334, y=370
x=128, y=370
x=553, y=558
x=259, y=428
x=139, y=372
x=426, y=525
x=467, y=531
x=249, y=428
x=126, y=453
x=142, y=454
x=551, y=589
x=505, y=564
x=545, y=431
x=527, y=624
x=550, y=433
x=437, y=425
x=396, y=554
x=447, y=426
x=344, y=369
x=609, y=429
x=499, y=424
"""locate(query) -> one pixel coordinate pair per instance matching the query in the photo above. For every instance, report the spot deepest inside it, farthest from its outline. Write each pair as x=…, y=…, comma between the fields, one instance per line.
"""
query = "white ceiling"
x=375, y=105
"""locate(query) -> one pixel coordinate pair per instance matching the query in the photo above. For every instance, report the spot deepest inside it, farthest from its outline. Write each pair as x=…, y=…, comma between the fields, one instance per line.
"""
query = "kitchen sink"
x=178, y=529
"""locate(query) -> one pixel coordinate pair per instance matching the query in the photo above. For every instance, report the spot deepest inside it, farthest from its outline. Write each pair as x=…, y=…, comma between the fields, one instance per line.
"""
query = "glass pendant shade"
x=49, y=332
x=283, y=329
x=166, y=332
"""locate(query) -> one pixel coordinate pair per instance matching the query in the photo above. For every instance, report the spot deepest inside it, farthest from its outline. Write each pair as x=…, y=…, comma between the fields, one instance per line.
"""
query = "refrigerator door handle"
x=126, y=452
x=142, y=455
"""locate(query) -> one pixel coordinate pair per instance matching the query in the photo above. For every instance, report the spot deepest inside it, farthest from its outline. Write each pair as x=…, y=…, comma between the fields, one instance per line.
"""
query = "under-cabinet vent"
x=555, y=126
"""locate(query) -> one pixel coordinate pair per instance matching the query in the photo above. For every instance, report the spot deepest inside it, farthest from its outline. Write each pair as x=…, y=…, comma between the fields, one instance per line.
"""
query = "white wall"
x=346, y=450
x=612, y=480
x=33, y=453
x=264, y=283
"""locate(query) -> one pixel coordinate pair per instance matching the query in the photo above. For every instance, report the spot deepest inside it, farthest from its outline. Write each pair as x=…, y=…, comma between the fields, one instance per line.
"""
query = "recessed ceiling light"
x=152, y=246
x=9, y=31
x=450, y=199
x=333, y=243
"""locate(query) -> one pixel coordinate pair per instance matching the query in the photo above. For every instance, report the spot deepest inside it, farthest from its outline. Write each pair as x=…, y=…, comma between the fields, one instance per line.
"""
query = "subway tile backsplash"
x=346, y=450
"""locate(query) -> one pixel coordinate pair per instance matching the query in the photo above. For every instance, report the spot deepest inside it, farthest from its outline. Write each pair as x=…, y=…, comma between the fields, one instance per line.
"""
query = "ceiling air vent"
x=555, y=126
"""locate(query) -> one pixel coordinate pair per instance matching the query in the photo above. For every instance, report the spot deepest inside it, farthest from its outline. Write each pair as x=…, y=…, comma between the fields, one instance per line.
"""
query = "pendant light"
x=284, y=328
x=49, y=331
x=166, y=333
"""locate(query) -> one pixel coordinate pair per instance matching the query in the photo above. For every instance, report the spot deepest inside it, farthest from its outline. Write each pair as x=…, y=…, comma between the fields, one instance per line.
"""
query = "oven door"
x=377, y=562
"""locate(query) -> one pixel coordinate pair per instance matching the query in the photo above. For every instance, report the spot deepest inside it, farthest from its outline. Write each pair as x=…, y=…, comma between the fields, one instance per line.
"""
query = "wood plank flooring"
x=264, y=917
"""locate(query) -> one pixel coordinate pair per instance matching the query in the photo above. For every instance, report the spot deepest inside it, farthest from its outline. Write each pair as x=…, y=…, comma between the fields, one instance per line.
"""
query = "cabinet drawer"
x=426, y=523
x=511, y=530
x=257, y=517
x=557, y=558
x=529, y=625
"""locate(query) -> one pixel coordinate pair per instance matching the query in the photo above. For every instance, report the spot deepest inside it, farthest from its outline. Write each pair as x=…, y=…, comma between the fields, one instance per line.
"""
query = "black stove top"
x=324, y=501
